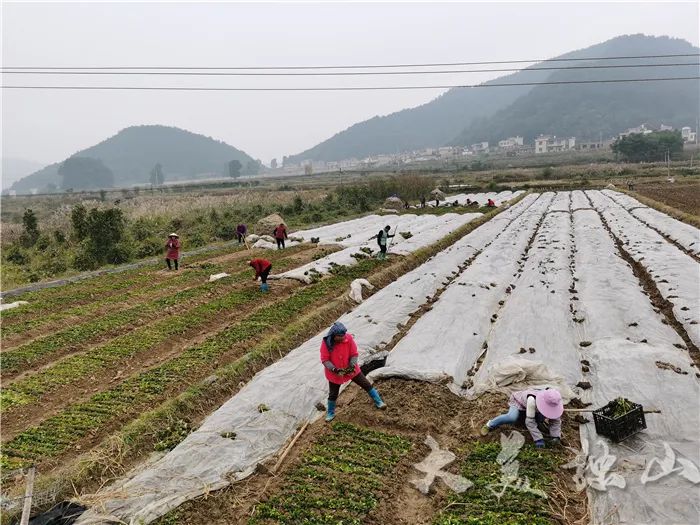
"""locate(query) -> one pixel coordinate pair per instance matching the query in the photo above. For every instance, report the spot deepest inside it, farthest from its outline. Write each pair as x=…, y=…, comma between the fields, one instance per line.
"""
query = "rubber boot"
x=264, y=287
x=330, y=412
x=377, y=399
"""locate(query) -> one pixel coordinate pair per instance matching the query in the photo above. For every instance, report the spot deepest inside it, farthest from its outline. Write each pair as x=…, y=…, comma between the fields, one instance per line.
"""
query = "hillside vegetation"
x=132, y=154
x=468, y=115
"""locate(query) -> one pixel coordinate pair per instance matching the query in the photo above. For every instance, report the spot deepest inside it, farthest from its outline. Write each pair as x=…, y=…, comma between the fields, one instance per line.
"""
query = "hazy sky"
x=48, y=126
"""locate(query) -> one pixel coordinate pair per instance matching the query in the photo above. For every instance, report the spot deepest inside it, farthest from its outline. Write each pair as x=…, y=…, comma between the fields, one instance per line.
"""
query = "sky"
x=48, y=126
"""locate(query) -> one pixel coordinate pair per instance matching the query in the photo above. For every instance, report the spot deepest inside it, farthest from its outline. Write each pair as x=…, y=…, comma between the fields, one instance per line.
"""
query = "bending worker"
x=382, y=238
x=262, y=269
x=534, y=407
x=339, y=357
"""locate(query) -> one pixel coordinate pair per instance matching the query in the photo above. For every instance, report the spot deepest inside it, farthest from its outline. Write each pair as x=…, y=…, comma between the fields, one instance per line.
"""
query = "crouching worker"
x=535, y=407
x=262, y=269
x=339, y=357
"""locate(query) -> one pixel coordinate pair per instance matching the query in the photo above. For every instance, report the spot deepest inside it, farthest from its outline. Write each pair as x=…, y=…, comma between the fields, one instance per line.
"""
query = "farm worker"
x=382, y=237
x=534, y=406
x=262, y=269
x=280, y=234
x=422, y=201
x=491, y=204
x=173, y=253
x=339, y=357
x=241, y=231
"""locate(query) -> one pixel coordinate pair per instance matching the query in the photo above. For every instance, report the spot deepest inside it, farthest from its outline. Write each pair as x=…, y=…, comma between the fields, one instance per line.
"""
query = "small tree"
x=234, y=169
x=31, y=228
x=157, y=176
x=78, y=219
x=650, y=147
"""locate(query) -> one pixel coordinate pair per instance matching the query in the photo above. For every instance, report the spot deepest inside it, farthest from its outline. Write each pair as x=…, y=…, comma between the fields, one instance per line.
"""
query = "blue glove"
x=539, y=443
x=556, y=442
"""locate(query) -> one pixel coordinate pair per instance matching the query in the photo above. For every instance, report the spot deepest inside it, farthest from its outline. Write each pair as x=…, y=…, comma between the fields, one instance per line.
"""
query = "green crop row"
x=20, y=358
x=85, y=311
x=59, y=432
x=480, y=504
x=77, y=367
x=49, y=298
x=338, y=481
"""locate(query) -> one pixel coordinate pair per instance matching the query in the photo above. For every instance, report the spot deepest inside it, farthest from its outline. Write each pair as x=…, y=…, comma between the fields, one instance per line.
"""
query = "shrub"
x=31, y=228
x=16, y=255
x=149, y=247
x=225, y=232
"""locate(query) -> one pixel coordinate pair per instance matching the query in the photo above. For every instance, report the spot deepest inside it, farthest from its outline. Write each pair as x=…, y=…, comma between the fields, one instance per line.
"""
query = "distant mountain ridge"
x=132, y=153
x=468, y=115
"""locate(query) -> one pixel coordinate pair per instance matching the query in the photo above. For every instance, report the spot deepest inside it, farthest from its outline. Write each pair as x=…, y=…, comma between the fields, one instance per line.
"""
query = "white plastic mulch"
x=675, y=273
x=424, y=229
x=684, y=234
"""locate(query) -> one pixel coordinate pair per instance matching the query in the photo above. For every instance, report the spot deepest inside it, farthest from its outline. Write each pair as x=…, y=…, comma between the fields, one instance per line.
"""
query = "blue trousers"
x=512, y=417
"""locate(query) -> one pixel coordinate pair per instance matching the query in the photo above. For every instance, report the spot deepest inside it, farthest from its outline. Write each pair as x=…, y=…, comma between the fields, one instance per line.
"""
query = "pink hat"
x=549, y=403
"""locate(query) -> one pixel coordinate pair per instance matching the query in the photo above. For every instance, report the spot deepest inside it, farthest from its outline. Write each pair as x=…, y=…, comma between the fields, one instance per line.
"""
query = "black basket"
x=621, y=427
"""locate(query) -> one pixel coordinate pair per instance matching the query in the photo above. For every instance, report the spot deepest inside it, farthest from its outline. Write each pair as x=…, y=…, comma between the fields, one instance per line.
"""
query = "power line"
x=369, y=66
x=350, y=88
x=345, y=73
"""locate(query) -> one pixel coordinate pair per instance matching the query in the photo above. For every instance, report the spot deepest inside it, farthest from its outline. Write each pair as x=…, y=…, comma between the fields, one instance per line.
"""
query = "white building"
x=510, y=142
x=688, y=134
x=480, y=147
x=551, y=144
x=664, y=127
x=639, y=129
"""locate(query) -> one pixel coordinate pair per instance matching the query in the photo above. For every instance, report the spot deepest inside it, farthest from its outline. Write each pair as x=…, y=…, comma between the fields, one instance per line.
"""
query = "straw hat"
x=173, y=235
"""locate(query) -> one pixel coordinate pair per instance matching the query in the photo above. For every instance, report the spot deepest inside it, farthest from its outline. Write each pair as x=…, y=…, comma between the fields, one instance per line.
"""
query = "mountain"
x=14, y=168
x=132, y=153
x=590, y=111
x=451, y=118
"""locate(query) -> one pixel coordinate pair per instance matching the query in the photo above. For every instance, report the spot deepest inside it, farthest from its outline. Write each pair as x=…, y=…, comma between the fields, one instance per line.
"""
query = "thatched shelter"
x=266, y=225
x=437, y=193
x=393, y=203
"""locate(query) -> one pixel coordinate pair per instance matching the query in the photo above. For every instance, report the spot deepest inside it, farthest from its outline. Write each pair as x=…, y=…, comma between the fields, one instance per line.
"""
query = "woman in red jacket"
x=339, y=357
x=173, y=253
x=280, y=233
x=262, y=269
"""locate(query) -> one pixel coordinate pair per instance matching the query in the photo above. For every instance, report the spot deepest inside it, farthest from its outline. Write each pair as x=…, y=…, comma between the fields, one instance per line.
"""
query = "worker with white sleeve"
x=534, y=407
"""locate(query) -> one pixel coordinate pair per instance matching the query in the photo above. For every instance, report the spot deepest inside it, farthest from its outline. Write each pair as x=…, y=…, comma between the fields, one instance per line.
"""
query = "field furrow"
x=674, y=274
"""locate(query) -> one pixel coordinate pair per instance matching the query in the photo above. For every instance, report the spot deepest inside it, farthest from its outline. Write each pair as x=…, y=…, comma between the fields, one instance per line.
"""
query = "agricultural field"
x=211, y=381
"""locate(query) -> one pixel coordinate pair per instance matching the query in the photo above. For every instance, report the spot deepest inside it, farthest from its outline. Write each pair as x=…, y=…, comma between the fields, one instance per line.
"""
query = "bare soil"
x=681, y=195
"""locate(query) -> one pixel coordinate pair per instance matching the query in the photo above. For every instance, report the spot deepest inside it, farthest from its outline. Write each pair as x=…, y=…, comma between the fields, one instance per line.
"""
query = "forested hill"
x=591, y=111
x=452, y=118
x=132, y=153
